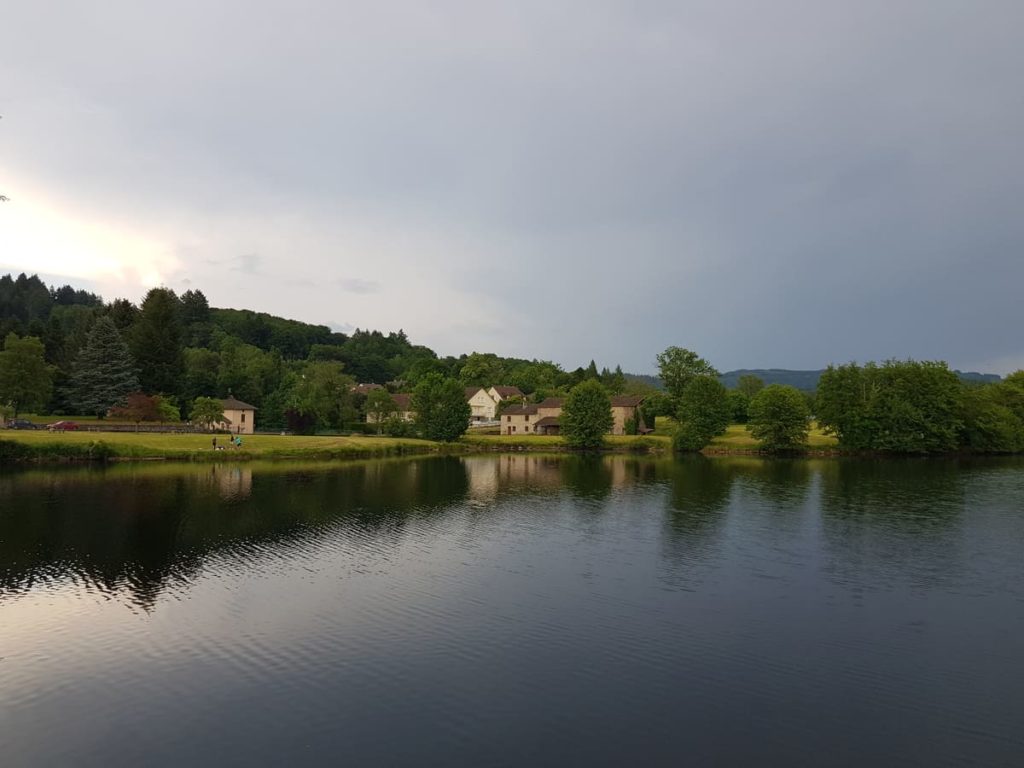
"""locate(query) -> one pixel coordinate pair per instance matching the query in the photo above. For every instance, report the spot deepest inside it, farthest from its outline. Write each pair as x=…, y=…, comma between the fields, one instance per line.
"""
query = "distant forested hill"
x=806, y=380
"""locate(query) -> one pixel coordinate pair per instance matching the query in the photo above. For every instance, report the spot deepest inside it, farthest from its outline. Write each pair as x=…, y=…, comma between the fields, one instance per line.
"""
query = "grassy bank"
x=84, y=446
x=94, y=446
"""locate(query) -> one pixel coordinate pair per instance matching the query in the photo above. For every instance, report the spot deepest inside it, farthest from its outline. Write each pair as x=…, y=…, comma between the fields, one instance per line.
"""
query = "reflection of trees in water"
x=698, y=496
x=915, y=495
x=781, y=483
x=587, y=476
x=136, y=534
x=900, y=516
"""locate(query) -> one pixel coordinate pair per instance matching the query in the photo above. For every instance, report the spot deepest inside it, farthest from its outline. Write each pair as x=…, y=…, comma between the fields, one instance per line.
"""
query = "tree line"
x=898, y=406
x=68, y=352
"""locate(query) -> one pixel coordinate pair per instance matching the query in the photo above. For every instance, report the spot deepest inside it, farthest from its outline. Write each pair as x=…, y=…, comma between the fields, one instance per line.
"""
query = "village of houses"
x=516, y=417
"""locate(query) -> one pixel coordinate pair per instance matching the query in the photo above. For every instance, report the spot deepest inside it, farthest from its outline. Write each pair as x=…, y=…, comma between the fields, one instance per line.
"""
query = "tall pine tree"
x=104, y=373
x=156, y=343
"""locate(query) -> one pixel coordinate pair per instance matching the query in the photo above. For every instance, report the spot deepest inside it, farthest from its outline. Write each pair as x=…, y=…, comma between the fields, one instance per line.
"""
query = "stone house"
x=239, y=417
x=544, y=418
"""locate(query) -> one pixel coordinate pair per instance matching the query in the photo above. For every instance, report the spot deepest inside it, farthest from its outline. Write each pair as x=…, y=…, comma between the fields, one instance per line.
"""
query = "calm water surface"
x=514, y=610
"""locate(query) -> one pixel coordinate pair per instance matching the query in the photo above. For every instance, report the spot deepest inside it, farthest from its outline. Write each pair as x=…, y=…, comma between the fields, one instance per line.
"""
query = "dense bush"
x=779, y=418
x=587, y=415
x=703, y=412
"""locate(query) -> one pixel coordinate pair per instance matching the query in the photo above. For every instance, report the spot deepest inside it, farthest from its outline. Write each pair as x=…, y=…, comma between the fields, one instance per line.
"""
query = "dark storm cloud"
x=778, y=184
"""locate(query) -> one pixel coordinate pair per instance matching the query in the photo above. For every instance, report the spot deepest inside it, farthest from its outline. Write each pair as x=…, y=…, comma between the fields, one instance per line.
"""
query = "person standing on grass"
x=215, y=442
x=238, y=442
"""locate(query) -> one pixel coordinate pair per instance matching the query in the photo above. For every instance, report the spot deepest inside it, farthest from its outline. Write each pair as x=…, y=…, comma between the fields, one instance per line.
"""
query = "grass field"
x=737, y=438
x=27, y=445
x=143, y=445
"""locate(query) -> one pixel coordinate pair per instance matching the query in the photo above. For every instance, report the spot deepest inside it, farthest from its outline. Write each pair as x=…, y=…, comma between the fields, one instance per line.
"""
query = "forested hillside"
x=181, y=348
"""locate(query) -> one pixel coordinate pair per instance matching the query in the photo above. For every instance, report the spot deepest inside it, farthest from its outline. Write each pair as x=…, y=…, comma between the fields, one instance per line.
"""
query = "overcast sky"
x=781, y=184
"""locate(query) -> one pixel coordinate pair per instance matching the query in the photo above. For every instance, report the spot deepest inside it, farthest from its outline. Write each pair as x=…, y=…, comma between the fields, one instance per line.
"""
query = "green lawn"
x=737, y=438
x=199, y=446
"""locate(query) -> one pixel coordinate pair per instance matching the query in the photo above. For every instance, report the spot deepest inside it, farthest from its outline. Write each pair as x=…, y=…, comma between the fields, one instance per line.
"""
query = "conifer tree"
x=104, y=373
x=156, y=343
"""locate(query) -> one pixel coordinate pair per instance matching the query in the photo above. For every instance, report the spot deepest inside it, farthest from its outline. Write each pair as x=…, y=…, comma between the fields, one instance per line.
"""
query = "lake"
x=514, y=610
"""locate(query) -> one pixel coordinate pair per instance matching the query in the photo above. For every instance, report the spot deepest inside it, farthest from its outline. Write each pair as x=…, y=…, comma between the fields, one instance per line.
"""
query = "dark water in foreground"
x=514, y=610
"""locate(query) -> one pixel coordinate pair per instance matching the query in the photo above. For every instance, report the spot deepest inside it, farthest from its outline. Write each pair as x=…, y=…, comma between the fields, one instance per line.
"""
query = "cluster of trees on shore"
x=899, y=406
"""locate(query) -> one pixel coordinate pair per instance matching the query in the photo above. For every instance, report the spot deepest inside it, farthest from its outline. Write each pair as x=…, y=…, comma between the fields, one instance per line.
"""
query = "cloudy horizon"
x=772, y=186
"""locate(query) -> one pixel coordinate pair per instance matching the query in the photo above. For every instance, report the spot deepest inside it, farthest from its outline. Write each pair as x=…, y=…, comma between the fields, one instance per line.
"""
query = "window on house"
x=527, y=417
x=508, y=418
x=243, y=417
x=513, y=429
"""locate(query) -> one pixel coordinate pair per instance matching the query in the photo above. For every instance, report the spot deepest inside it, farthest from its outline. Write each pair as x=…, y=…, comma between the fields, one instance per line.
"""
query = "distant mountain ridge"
x=806, y=380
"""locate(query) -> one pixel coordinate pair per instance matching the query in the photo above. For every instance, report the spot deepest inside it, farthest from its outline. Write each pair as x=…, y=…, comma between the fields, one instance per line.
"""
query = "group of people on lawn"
x=235, y=442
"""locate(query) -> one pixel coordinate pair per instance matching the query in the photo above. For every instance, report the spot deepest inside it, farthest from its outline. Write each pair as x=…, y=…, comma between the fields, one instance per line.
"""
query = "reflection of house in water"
x=232, y=482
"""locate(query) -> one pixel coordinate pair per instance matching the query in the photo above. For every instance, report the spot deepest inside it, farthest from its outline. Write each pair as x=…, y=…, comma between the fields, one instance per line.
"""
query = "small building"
x=404, y=412
x=482, y=405
x=239, y=417
x=519, y=420
x=627, y=408
x=544, y=418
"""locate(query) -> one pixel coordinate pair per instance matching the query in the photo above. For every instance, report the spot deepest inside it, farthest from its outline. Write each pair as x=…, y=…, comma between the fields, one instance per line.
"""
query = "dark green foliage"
x=104, y=373
x=25, y=378
x=704, y=407
x=379, y=407
x=587, y=415
x=739, y=403
x=779, y=418
x=750, y=385
x=989, y=425
x=323, y=392
x=689, y=439
x=678, y=367
x=442, y=412
x=207, y=411
x=899, y=406
x=155, y=342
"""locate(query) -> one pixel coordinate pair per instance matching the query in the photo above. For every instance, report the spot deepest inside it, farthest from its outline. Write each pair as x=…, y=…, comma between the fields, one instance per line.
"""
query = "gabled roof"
x=403, y=401
x=626, y=401
x=504, y=392
x=520, y=410
x=470, y=391
x=234, y=404
x=552, y=402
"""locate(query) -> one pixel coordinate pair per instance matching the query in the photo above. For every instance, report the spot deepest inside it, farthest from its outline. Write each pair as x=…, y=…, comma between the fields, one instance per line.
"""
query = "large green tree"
x=901, y=406
x=779, y=418
x=749, y=384
x=25, y=378
x=323, y=393
x=104, y=372
x=587, y=415
x=677, y=367
x=156, y=342
x=207, y=411
x=379, y=406
x=704, y=407
x=442, y=412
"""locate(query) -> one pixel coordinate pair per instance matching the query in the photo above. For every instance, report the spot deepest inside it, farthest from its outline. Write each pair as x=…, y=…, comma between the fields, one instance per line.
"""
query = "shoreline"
x=42, y=451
